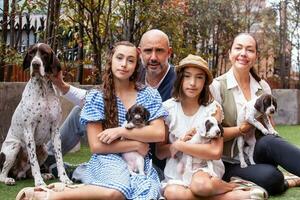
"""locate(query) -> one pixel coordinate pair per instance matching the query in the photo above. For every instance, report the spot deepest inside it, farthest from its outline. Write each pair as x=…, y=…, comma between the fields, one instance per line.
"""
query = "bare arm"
x=162, y=149
x=118, y=146
x=154, y=132
x=209, y=151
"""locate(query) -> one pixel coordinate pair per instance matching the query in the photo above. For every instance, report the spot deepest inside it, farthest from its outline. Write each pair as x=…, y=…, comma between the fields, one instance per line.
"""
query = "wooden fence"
x=18, y=75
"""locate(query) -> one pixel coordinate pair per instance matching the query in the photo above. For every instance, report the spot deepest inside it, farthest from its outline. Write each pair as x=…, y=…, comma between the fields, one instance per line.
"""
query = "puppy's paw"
x=252, y=162
x=244, y=165
x=274, y=133
x=10, y=181
x=265, y=131
x=130, y=125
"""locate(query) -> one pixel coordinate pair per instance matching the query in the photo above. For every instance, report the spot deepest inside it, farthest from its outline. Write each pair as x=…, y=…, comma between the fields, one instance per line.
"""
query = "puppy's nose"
x=272, y=111
x=137, y=116
x=218, y=133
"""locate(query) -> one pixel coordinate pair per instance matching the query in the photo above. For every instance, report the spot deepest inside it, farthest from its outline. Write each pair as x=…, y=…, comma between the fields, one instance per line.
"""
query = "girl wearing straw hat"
x=191, y=103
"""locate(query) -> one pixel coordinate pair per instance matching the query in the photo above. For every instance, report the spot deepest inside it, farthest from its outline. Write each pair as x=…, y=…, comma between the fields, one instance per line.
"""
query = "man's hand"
x=59, y=82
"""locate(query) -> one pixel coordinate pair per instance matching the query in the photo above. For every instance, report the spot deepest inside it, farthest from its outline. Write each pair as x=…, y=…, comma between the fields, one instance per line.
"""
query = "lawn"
x=290, y=133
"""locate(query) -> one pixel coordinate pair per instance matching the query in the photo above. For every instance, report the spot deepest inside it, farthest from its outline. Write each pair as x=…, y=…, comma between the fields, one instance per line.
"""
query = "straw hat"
x=196, y=61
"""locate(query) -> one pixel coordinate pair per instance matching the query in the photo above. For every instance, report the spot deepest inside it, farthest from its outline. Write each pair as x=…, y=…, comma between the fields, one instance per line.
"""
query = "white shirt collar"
x=157, y=86
x=232, y=83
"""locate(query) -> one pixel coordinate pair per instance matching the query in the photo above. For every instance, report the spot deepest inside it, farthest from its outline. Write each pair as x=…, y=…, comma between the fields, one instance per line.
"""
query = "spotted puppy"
x=207, y=130
x=261, y=107
x=35, y=121
x=136, y=117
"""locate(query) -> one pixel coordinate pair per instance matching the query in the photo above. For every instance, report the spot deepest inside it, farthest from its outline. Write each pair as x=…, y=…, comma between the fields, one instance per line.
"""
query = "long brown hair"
x=205, y=96
x=108, y=87
x=252, y=70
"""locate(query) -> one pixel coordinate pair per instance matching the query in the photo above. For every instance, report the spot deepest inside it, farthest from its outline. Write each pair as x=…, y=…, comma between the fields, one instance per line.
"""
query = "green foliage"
x=194, y=26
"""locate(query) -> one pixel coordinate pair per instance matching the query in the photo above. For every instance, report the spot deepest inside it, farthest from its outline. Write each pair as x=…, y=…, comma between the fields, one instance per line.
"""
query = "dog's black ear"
x=26, y=62
x=54, y=64
x=221, y=129
x=259, y=104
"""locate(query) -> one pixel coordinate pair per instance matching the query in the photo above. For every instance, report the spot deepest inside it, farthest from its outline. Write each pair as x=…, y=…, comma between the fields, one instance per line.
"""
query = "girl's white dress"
x=179, y=124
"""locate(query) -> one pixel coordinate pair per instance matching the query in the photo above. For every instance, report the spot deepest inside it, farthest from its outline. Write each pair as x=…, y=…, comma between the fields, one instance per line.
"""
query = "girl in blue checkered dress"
x=104, y=113
x=107, y=175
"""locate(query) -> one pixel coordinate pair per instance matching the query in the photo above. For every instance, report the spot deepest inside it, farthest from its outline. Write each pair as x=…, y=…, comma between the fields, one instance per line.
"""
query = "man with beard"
x=155, y=72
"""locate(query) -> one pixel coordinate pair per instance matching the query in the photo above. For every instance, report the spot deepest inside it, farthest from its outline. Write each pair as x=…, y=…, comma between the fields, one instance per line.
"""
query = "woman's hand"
x=143, y=149
x=245, y=128
x=111, y=134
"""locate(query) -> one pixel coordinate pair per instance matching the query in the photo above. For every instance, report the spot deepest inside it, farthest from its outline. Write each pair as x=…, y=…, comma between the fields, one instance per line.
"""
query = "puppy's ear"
x=259, y=104
x=221, y=129
x=128, y=116
x=147, y=114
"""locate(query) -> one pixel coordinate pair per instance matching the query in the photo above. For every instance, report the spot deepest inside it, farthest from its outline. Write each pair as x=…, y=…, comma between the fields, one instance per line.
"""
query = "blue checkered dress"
x=110, y=170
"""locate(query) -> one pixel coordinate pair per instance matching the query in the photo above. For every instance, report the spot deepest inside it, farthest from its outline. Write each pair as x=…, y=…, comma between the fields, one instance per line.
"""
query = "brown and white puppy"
x=136, y=117
x=208, y=129
x=261, y=107
x=35, y=121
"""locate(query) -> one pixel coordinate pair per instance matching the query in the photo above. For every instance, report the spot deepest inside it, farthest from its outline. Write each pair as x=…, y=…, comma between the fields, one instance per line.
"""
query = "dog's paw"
x=39, y=182
x=9, y=181
x=48, y=176
x=66, y=180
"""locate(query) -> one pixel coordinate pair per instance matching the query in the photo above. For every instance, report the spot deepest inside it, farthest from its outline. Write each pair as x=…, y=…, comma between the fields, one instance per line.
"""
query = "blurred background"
x=81, y=31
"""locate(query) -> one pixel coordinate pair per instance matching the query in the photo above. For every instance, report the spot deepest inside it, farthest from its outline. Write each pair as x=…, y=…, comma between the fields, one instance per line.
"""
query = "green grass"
x=290, y=133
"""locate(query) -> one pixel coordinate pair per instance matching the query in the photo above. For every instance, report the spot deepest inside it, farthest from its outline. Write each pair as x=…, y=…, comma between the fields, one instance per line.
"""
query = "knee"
x=116, y=195
x=171, y=192
x=272, y=181
x=202, y=188
x=75, y=113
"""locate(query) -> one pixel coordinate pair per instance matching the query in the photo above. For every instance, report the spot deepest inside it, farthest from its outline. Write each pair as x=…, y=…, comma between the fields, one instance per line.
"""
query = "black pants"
x=270, y=151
